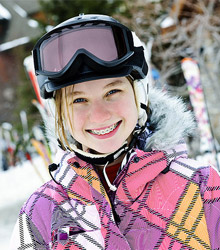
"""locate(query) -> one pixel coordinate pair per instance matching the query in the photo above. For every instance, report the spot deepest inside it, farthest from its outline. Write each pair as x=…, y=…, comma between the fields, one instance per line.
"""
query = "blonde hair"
x=59, y=118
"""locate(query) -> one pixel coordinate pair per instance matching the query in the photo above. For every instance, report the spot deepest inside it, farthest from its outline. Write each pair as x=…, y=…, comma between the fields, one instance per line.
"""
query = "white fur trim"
x=172, y=119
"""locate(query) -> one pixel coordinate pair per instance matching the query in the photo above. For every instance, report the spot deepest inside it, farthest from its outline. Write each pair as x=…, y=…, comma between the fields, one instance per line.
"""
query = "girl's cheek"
x=79, y=118
x=120, y=107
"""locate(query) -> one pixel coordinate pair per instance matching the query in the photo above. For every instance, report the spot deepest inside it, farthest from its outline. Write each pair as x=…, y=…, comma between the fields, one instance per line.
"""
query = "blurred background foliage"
x=60, y=10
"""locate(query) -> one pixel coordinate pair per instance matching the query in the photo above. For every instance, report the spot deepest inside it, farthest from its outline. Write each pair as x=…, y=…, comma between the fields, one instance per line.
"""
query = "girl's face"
x=101, y=114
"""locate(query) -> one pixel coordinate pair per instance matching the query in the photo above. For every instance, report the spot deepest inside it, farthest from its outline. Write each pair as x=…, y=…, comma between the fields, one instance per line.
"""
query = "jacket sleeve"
x=26, y=235
x=212, y=207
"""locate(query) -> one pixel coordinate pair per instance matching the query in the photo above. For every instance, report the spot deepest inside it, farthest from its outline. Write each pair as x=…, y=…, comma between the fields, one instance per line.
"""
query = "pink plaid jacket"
x=163, y=201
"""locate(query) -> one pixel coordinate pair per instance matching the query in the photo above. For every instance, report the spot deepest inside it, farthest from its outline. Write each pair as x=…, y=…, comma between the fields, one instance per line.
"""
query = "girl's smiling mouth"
x=103, y=132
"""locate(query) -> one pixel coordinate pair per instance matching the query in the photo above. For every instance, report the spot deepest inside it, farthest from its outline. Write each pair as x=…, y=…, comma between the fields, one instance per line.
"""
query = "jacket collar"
x=144, y=167
x=71, y=175
x=139, y=168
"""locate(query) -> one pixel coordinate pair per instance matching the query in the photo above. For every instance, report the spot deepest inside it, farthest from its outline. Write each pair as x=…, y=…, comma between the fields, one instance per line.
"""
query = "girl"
x=122, y=178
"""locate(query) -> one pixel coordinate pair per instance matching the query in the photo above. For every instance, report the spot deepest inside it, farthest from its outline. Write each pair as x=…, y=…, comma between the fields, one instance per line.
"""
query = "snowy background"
x=16, y=185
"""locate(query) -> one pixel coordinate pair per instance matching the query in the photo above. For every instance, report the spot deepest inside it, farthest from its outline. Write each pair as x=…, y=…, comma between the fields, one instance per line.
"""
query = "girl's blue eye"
x=113, y=91
x=79, y=100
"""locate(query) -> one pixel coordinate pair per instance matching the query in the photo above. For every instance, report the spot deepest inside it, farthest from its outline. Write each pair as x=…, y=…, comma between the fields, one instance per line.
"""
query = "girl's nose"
x=99, y=112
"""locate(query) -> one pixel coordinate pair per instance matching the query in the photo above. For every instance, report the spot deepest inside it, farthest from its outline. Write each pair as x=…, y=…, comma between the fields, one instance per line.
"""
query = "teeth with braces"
x=104, y=131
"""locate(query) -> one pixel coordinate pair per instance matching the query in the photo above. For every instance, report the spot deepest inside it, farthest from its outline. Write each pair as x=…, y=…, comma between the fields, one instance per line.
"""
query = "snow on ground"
x=16, y=185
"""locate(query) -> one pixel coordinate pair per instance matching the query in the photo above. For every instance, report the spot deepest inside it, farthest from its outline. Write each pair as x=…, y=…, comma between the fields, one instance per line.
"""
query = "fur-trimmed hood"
x=169, y=117
x=171, y=120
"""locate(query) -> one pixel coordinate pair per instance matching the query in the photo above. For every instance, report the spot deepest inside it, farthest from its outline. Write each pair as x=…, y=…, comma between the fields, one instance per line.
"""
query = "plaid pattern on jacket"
x=163, y=201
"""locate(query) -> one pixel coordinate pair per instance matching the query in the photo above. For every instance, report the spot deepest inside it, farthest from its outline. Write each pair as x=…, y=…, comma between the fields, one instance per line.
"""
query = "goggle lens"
x=101, y=41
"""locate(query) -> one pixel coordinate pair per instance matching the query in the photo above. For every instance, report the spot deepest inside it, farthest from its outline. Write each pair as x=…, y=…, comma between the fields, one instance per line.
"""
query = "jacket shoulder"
x=45, y=198
x=188, y=167
x=204, y=175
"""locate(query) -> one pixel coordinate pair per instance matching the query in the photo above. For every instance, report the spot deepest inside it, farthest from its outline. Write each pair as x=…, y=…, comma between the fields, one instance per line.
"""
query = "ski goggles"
x=106, y=45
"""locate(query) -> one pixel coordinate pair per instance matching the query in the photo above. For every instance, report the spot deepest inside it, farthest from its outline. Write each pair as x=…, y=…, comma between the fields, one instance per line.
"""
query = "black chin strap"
x=137, y=132
x=99, y=160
